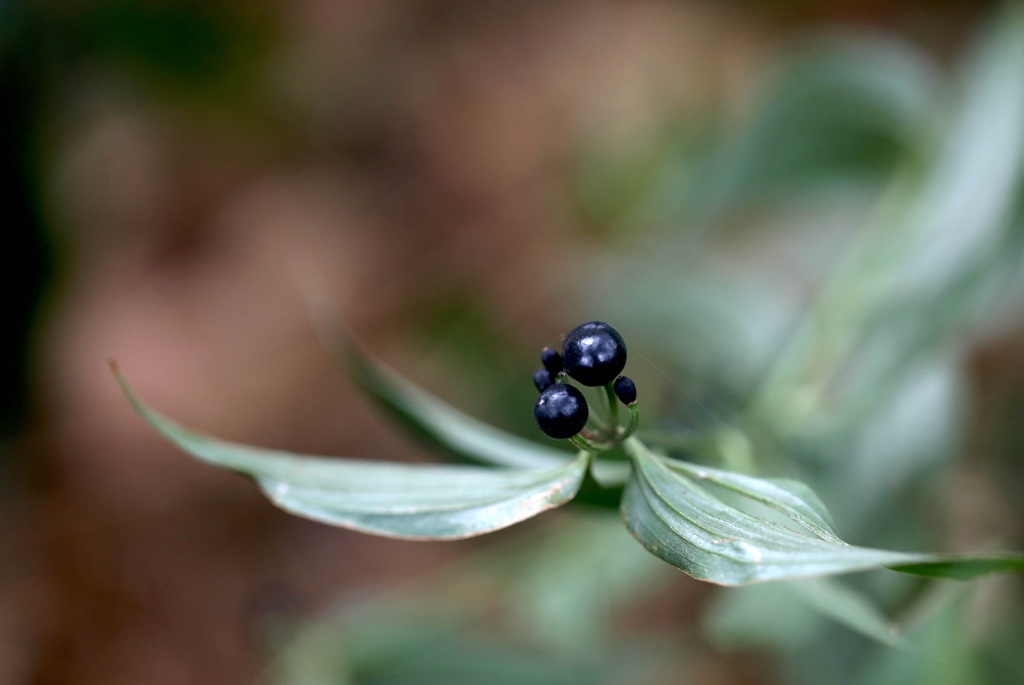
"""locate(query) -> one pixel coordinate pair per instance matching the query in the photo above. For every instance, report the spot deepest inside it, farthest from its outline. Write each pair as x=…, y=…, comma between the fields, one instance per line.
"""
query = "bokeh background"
x=805, y=217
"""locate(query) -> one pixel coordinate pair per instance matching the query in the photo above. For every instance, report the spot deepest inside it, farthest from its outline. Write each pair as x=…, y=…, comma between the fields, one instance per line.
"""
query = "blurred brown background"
x=177, y=169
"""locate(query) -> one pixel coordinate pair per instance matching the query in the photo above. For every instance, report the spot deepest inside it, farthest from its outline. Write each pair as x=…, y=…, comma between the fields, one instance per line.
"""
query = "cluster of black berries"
x=593, y=354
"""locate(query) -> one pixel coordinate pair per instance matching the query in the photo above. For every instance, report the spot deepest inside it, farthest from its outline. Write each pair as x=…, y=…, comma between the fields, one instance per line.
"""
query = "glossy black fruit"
x=561, y=411
x=594, y=353
x=551, y=360
x=625, y=390
x=542, y=379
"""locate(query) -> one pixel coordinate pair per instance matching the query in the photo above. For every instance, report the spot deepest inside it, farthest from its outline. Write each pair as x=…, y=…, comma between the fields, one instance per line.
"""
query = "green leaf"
x=412, y=501
x=440, y=424
x=847, y=606
x=790, y=614
x=963, y=568
x=681, y=521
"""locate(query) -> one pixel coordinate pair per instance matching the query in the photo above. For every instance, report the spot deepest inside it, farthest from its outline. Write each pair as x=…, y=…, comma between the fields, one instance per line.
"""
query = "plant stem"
x=634, y=421
x=613, y=406
x=584, y=444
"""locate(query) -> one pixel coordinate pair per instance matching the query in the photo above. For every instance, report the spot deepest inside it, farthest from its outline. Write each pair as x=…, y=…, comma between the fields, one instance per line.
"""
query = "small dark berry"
x=551, y=360
x=594, y=353
x=561, y=411
x=625, y=390
x=542, y=379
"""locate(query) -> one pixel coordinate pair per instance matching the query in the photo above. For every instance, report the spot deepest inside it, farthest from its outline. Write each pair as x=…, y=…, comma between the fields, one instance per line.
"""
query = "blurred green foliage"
x=806, y=288
x=538, y=607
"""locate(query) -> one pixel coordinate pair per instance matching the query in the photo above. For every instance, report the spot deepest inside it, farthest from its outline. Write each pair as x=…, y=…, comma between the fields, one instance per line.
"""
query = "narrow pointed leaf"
x=790, y=614
x=442, y=425
x=682, y=522
x=412, y=501
x=847, y=606
x=964, y=568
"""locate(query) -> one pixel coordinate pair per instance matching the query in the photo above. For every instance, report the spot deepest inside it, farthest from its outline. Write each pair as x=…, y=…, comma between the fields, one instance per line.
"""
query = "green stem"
x=613, y=406
x=634, y=421
x=584, y=444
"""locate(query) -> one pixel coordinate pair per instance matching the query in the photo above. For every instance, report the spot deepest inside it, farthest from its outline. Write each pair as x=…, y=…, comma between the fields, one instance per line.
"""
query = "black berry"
x=542, y=379
x=561, y=411
x=594, y=353
x=625, y=390
x=551, y=360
